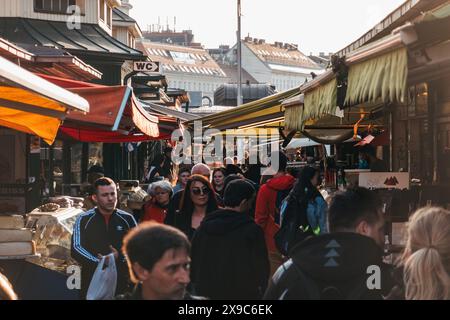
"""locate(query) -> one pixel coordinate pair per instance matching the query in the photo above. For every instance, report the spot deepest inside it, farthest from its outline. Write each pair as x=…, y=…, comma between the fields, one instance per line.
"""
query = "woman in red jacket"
x=156, y=208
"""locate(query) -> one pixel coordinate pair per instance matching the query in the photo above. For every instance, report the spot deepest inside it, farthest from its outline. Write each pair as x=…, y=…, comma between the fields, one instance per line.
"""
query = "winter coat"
x=154, y=212
x=335, y=266
x=266, y=213
x=229, y=257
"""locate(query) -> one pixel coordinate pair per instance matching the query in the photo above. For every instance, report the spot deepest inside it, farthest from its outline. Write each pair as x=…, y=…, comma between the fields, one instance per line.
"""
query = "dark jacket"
x=339, y=260
x=398, y=290
x=229, y=257
x=136, y=294
x=91, y=236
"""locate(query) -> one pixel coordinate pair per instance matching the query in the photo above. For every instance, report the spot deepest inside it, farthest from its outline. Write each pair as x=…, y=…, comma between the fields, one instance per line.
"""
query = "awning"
x=33, y=105
x=266, y=112
x=48, y=60
x=86, y=134
x=377, y=71
x=183, y=116
x=89, y=39
x=114, y=108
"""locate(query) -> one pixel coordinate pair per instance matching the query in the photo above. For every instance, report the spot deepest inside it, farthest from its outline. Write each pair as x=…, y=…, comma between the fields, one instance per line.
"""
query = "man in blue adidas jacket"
x=100, y=232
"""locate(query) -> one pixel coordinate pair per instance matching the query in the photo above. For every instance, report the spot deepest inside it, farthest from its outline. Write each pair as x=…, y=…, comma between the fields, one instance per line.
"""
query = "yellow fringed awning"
x=317, y=103
x=382, y=77
x=255, y=114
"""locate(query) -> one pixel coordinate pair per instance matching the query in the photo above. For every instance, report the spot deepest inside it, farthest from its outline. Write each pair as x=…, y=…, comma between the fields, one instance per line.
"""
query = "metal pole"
x=239, y=55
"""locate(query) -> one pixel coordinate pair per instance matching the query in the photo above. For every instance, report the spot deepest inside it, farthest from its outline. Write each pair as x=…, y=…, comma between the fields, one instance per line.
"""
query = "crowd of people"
x=216, y=234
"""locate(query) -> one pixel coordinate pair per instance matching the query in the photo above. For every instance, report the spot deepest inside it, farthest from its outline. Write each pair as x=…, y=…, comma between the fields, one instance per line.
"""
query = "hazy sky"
x=319, y=25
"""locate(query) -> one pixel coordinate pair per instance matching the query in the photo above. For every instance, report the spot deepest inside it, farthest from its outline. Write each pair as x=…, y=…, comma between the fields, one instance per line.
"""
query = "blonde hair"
x=426, y=259
x=6, y=290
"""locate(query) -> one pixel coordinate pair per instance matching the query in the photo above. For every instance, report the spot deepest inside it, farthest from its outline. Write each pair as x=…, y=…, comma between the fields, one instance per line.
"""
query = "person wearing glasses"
x=156, y=208
x=197, y=201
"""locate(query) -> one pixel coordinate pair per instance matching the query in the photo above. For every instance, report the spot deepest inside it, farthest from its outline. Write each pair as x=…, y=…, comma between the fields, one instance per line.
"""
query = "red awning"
x=67, y=83
x=114, y=108
x=114, y=113
x=95, y=135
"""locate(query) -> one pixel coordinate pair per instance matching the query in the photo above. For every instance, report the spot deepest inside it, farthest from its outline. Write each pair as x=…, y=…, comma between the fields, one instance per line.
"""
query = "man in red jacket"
x=268, y=202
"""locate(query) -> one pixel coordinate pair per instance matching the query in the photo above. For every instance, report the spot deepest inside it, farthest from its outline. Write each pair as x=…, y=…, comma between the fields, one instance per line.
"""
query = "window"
x=109, y=16
x=102, y=9
x=131, y=43
x=55, y=6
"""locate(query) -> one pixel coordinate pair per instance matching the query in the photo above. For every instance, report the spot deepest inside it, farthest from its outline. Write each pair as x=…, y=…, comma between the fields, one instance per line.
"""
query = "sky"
x=316, y=26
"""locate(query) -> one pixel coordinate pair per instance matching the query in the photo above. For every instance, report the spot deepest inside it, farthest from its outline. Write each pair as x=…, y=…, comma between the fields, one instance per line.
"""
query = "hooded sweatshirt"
x=339, y=260
x=266, y=212
x=229, y=257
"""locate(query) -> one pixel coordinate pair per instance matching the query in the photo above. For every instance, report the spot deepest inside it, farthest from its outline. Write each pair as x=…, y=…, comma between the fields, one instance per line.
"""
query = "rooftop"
x=121, y=16
x=53, y=34
x=181, y=59
x=280, y=54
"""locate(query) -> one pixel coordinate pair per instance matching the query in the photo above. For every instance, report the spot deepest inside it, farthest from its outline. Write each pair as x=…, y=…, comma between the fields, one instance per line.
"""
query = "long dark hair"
x=186, y=204
x=303, y=190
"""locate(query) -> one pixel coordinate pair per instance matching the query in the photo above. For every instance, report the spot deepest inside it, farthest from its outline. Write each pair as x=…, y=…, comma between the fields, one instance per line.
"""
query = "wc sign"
x=146, y=66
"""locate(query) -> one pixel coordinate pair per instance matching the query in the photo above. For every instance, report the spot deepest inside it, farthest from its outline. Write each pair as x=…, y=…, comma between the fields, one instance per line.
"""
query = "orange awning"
x=33, y=105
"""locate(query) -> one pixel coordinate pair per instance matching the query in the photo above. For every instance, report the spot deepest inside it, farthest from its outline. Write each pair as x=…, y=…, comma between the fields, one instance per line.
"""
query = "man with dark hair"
x=99, y=232
x=229, y=255
x=268, y=205
x=339, y=265
x=368, y=153
x=358, y=210
x=158, y=262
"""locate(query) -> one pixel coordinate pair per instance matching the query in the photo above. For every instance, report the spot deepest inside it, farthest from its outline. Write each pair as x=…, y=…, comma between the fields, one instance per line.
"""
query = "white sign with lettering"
x=146, y=66
x=384, y=180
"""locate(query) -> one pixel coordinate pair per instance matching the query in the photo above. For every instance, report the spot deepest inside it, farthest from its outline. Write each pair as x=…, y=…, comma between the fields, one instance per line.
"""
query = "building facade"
x=85, y=33
x=186, y=68
x=278, y=64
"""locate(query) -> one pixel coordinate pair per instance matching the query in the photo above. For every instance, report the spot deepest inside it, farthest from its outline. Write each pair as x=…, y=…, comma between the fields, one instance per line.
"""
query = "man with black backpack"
x=268, y=206
x=345, y=264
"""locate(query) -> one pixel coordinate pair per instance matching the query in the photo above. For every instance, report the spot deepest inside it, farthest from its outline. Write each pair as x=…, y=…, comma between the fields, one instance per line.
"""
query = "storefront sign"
x=146, y=66
x=384, y=180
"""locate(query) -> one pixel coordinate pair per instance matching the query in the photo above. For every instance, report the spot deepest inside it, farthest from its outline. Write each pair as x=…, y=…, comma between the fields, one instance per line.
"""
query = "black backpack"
x=295, y=227
x=306, y=288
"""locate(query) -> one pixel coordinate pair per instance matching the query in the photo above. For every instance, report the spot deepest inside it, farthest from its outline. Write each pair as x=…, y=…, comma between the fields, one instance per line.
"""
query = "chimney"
x=261, y=41
x=125, y=7
x=248, y=39
x=255, y=40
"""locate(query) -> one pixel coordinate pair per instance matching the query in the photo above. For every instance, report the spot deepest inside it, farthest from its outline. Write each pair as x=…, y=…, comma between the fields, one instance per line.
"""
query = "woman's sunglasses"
x=197, y=191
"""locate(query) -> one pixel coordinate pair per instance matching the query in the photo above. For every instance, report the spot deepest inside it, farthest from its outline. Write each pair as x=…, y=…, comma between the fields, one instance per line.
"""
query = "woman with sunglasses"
x=197, y=201
x=156, y=208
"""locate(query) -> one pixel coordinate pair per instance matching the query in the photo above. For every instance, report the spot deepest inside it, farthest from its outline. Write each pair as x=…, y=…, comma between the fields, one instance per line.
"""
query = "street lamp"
x=239, y=56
